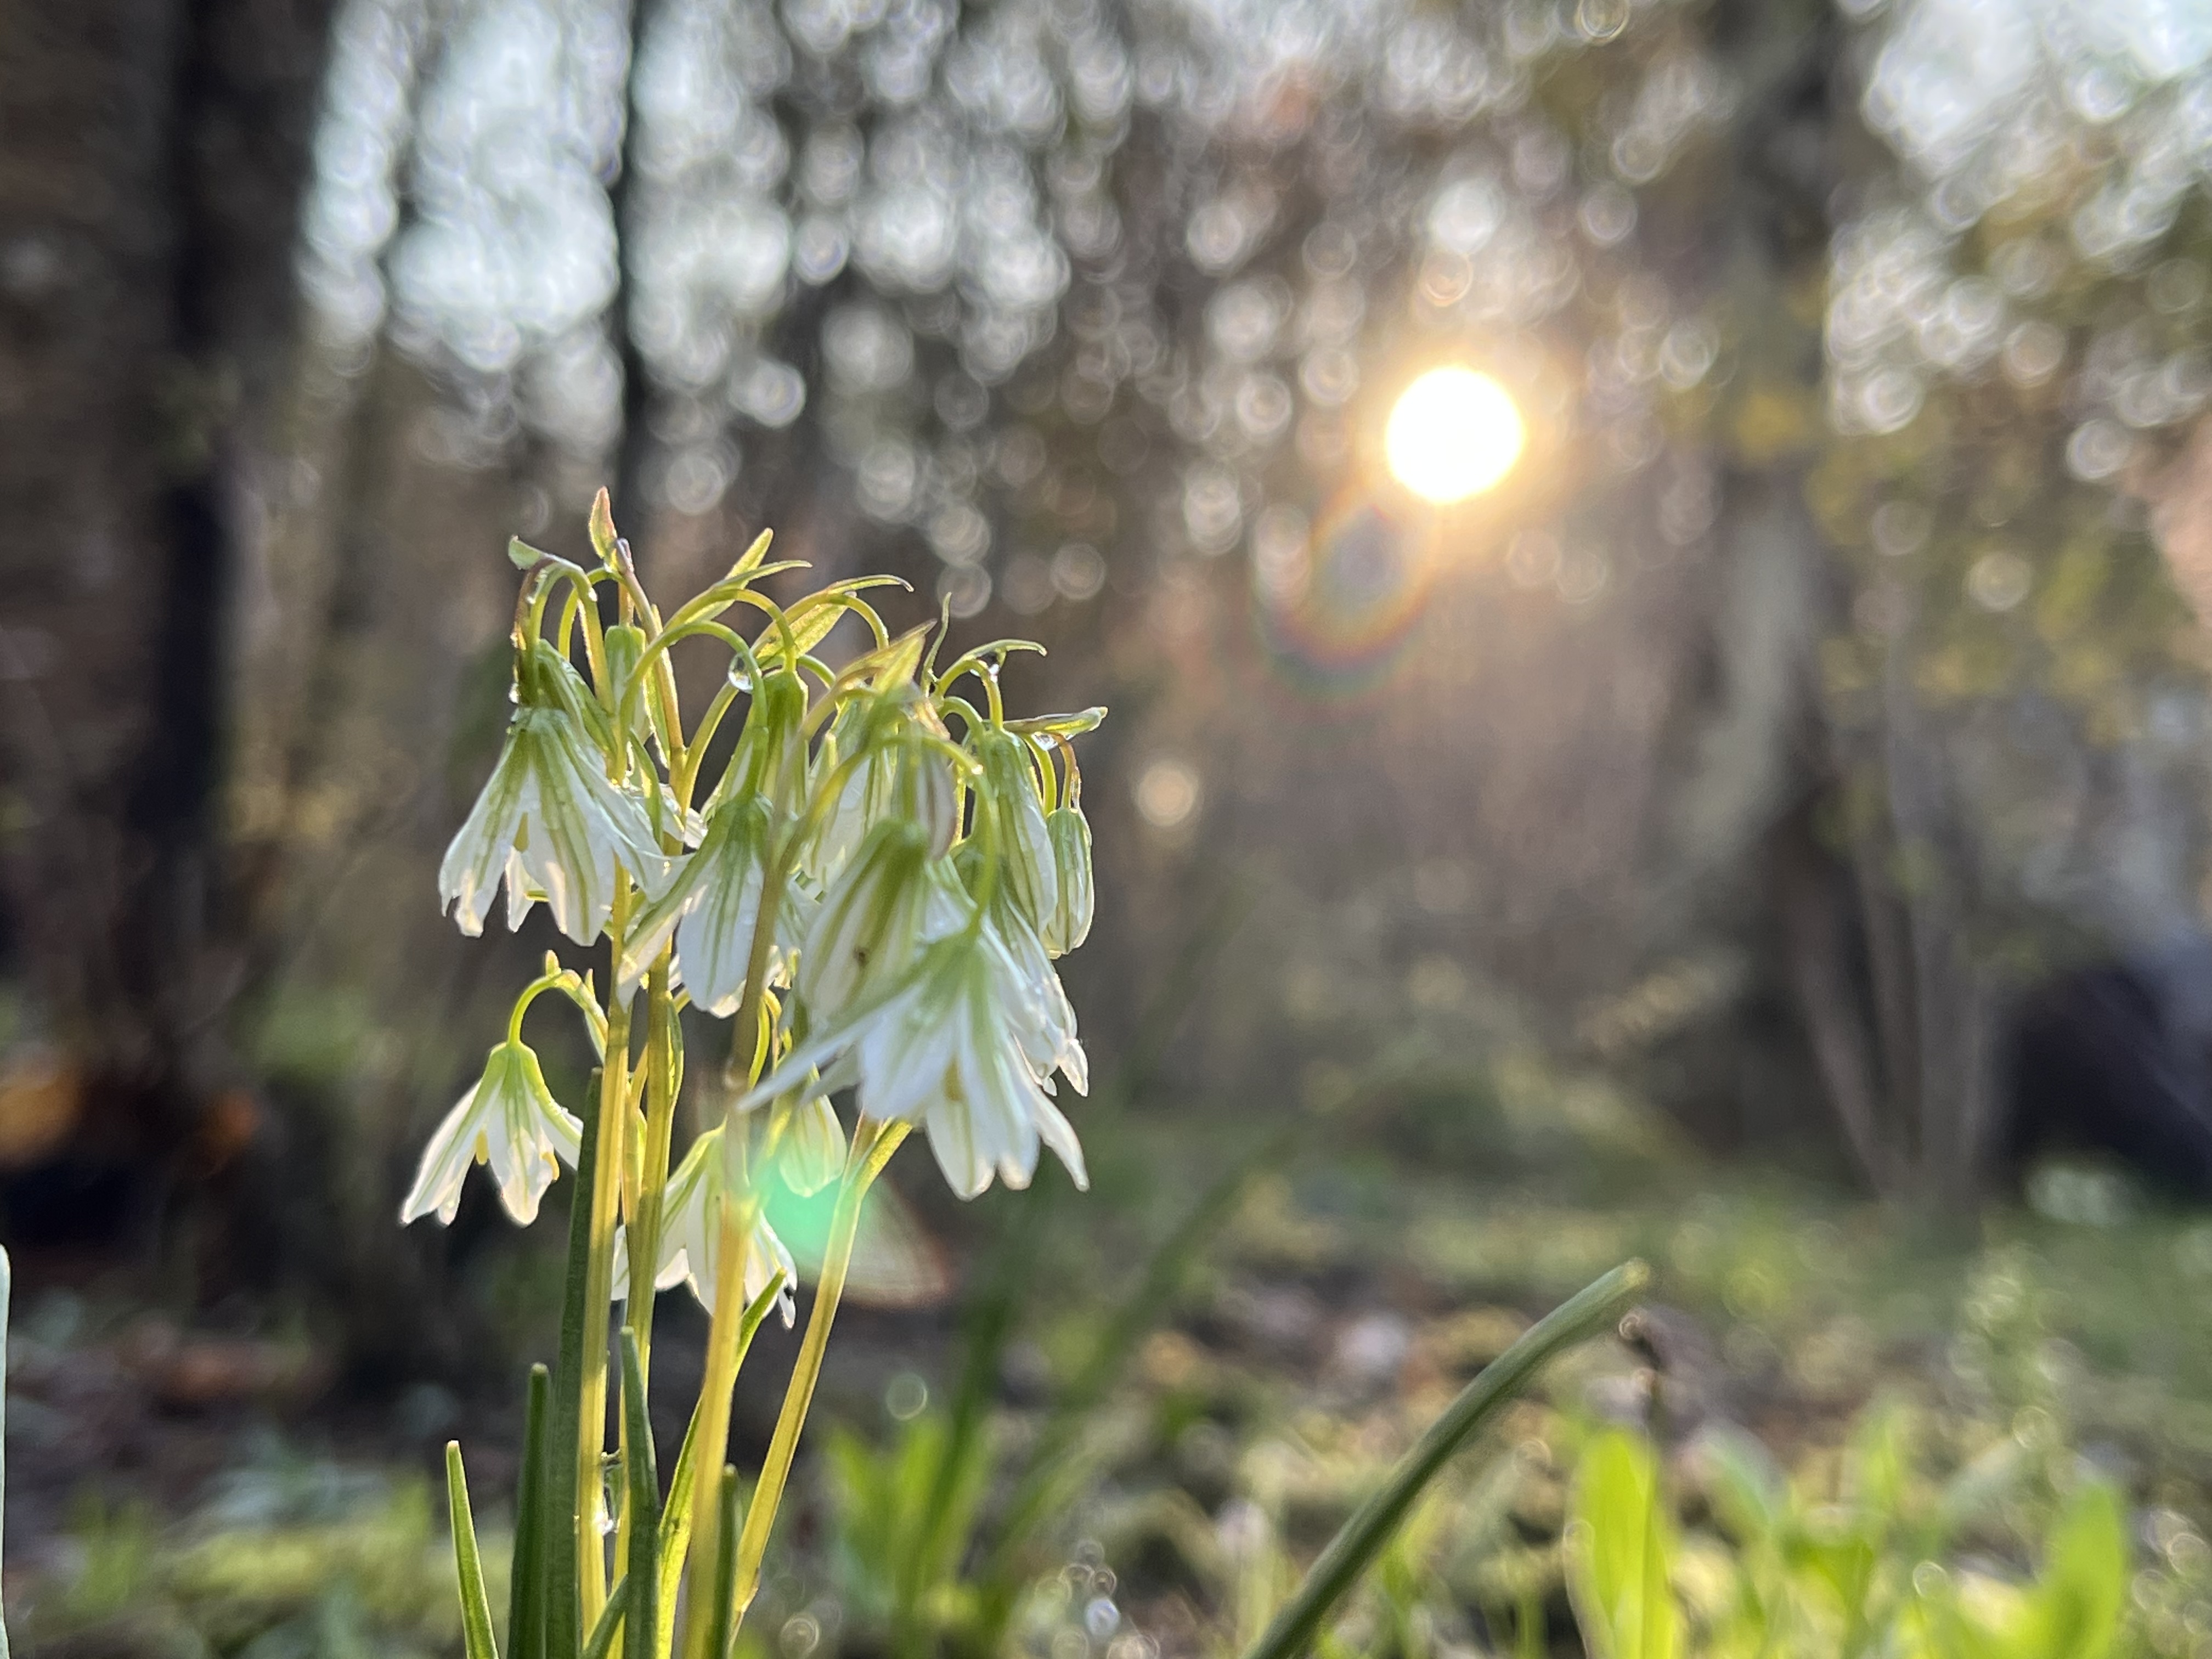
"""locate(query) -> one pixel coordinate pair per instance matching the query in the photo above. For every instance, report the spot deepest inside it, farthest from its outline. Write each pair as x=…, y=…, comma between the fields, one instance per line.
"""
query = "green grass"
x=1218, y=1458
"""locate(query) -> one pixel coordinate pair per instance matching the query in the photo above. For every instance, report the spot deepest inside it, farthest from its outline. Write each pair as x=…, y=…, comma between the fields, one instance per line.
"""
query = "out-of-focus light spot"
x=2098, y=449
x=1999, y=581
x=1533, y=560
x=1078, y=572
x=965, y=588
x=906, y=1396
x=1027, y=586
x=1901, y=528
x=1453, y=434
x=1167, y=793
x=1279, y=563
x=1601, y=20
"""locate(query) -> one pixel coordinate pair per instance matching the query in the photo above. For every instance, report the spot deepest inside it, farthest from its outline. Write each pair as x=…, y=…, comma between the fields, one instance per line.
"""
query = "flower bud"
x=1067, y=924
x=1023, y=844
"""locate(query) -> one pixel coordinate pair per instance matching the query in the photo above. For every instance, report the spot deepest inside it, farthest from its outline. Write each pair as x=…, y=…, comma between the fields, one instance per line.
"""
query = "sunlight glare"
x=1455, y=433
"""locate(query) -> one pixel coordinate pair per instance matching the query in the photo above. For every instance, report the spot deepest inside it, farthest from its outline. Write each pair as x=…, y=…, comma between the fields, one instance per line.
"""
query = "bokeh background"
x=1769, y=829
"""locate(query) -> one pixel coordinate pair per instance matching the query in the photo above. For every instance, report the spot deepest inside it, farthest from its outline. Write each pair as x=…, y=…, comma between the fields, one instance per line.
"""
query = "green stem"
x=726, y=1339
x=598, y=1292
x=676, y=1513
x=647, y=1221
x=562, y=1523
x=1363, y=1537
x=871, y=1152
x=649, y=1196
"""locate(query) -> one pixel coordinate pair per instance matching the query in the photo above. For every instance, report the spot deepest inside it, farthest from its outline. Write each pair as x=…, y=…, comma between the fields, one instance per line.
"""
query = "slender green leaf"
x=2075, y=1610
x=476, y=1606
x=723, y=1631
x=525, y=1605
x=1621, y=1552
x=752, y=557
x=643, y=1478
x=1059, y=725
x=610, y=1620
x=1594, y=1308
x=564, y=1613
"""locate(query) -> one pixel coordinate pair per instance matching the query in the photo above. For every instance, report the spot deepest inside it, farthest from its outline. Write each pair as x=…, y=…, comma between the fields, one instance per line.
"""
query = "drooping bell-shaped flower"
x=1066, y=924
x=1019, y=838
x=549, y=813
x=963, y=1047
x=711, y=909
x=809, y=1141
x=508, y=1119
x=1042, y=1018
x=691, y=1232
x=900, y=775
x=879, y=912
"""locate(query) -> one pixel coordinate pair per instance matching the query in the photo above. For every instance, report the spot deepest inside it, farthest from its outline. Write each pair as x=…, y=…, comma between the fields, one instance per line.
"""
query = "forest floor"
x=171, y=1492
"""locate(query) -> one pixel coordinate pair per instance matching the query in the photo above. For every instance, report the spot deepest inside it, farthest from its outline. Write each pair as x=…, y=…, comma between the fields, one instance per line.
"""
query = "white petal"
x=715, y=939
x=652, y=927
x=475, y=859
x=813, y=1150
x=525, y=1135
x=445, y=1165
x=1059, y=1133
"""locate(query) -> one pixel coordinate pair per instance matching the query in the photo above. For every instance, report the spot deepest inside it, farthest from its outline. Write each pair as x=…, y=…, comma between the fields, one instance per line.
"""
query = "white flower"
x=549, y=814
x=1067, y=923
x=963, y=1048
x=1027, y=873
x=810, y=1153
x=510, y=1120
x=901, y=777
x=885, y=904
x=691, y=1233
x=711, y=907
x=1048, y=1031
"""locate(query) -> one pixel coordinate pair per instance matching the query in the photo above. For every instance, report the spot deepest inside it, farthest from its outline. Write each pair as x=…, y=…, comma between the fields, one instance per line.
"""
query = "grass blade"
x=1362, y=1537
x=642, y=1624
x=476, y=1606
x=723, y=1631
x=525, y=1604
x=564, y=1611
x=610, y=1620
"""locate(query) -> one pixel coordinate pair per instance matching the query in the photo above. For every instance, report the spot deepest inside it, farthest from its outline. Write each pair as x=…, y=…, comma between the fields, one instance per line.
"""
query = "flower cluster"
x=883, y=873
x=871, y=889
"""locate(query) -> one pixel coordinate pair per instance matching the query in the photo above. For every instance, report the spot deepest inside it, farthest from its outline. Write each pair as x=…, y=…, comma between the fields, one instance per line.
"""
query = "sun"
x=1455, y=433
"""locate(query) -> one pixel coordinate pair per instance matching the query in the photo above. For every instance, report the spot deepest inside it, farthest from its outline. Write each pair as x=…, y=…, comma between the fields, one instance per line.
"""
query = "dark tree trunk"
x=152, y=158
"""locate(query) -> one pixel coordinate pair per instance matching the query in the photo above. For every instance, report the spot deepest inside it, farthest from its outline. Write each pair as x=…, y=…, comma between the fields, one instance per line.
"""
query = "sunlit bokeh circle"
x=1454, y=433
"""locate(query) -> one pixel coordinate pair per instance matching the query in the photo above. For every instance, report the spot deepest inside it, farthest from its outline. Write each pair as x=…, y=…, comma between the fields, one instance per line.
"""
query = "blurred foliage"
x=1858, y=1568
x=1841, y=1399
x=374, y=1578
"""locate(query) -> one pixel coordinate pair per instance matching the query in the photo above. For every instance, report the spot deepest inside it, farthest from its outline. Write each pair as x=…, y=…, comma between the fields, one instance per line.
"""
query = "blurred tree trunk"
x=155, y=155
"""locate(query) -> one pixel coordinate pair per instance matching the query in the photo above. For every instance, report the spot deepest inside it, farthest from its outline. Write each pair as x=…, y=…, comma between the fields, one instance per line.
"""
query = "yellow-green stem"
x=724, y=1345
x=599, y=1288
x=871, y=1152
x=647, y=1224
x=645, y=1212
